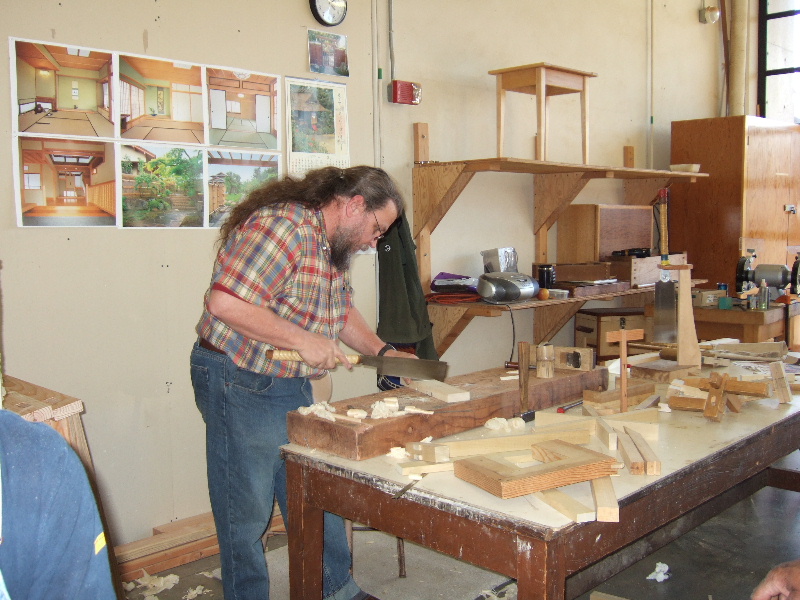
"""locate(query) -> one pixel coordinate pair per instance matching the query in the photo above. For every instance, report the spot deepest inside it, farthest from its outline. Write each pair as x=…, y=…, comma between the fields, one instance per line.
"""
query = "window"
x=131, y=100
x=779, y=59
x=106, y=99
x=233, y=106
x=33, y=181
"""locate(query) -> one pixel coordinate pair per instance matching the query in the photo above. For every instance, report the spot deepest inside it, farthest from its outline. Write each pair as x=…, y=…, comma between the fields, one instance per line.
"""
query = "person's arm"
x=263, y=325
x=781, y=582
x=359, y=336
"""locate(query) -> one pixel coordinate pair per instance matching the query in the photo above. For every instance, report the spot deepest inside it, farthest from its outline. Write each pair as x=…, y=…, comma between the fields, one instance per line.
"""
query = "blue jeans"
x=245, y=417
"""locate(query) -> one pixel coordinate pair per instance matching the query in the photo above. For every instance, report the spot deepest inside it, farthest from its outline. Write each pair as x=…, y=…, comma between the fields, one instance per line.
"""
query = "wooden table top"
x=687, y=441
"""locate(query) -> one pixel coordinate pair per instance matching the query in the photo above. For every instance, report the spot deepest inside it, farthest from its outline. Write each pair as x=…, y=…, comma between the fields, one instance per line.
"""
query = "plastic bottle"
x=763, y=296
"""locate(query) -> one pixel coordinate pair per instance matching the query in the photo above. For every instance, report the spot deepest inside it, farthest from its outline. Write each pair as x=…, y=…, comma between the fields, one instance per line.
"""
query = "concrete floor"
x=722, y=559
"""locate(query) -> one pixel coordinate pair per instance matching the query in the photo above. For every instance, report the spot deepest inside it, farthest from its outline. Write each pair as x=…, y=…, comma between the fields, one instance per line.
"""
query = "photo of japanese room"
x=160, y=101
x=67, y=183
x=233, y=175
x=63, y=90
x=242, y=109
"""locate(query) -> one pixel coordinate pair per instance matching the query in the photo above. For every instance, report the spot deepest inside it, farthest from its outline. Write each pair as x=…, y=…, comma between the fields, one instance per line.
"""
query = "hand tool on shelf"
x=665, y=319
x=414, y=368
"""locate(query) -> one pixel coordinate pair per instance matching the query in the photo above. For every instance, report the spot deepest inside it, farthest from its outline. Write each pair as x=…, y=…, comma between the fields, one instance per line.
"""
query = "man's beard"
x=344, y=245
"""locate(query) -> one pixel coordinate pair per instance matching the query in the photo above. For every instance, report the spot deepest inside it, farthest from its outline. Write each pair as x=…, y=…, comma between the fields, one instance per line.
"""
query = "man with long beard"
x=280, y=280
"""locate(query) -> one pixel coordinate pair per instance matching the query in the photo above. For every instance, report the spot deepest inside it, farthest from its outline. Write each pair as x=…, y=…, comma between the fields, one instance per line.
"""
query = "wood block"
x=630, y=454
x=580, y=359
x=734, y=402
x=687, y=403
x=490, y=397
x=506, y=480
x=438, y=389
x=781, y=384
x=566, y=505
x=652, y=464
x=641, y=271
x=203, y=521
x=648, y=402
x=587, y=271
x=715, y=405
x=605, y=500
x=428, y=452
x=662, y=371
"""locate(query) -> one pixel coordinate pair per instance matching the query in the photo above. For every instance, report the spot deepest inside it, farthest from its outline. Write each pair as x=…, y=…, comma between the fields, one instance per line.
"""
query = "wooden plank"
x=203, y=521
x=581, y=291
x=490, y=397
x=652, y=464
x=418, y=467
x=662, y=371
x=604, y=432
x=630, y=454
x=687, y=403
x=438, y=389
x=566, y=505
x=605, y=500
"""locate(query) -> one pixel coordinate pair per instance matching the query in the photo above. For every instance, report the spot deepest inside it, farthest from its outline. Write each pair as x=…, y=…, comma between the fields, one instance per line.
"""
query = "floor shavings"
x=661, y=573
x=196, y=592
x=215, y=574
x=152, y=585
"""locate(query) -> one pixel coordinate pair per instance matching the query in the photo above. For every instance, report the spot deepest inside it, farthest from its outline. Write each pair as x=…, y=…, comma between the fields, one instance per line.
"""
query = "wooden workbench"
x=706, y=467
x=748, y=326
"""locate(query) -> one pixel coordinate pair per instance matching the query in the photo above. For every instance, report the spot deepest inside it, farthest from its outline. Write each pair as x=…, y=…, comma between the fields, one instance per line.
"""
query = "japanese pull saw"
x=414, y=368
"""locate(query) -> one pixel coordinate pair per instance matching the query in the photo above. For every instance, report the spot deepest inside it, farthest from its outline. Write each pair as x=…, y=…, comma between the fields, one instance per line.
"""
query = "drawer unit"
x=592, y=325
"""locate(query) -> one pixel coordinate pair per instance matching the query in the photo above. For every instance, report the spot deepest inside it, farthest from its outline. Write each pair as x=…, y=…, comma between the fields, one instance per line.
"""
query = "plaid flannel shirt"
x=279, y=260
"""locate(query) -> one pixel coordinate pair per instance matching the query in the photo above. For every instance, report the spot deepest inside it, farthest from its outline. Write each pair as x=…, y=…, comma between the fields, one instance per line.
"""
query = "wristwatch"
x=385, y=349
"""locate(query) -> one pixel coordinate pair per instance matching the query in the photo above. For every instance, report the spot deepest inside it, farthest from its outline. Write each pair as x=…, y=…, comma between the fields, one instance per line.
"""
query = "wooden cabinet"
x=754, y=168
x=592, y=232
x=592, y=325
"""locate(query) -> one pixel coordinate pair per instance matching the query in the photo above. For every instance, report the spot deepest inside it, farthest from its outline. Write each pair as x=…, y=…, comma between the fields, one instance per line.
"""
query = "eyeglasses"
x=381, y=232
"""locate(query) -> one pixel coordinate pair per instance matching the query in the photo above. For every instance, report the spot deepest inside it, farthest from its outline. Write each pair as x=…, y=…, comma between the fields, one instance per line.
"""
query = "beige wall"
x=108, y=315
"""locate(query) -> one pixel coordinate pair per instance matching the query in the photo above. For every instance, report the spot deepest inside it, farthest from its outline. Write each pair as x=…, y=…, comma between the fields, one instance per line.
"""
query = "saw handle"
x=294, y=356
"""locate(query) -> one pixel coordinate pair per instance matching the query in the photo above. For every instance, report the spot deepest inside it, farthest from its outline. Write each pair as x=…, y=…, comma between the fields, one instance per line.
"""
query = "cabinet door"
x=768, y=188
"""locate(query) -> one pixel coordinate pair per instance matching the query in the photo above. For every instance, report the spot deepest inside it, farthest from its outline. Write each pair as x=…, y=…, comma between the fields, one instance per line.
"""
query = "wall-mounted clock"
x=328, y=12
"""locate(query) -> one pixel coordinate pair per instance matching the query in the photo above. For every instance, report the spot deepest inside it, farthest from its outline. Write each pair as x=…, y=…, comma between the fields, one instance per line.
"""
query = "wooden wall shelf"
x=437, y=185
x=449, y=320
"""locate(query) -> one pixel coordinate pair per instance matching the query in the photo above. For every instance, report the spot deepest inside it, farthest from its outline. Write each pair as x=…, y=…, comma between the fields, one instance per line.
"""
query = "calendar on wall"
x=317, y=130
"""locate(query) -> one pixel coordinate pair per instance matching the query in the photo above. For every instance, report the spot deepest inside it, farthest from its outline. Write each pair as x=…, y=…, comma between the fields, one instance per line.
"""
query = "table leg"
x=501, y=110
x=541, y=574
x=541, y=114
x=305, y=532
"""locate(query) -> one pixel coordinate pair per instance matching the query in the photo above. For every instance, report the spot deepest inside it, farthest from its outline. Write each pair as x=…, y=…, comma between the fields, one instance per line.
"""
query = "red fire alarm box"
x=404, y=92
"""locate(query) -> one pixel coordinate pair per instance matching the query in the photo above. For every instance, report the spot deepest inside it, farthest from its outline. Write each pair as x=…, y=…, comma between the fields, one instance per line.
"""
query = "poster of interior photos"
x=316, y=117
x=103, y=138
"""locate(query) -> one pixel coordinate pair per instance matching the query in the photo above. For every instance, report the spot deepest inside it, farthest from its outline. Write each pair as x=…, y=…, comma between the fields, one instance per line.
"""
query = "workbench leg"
x=305, y=533
x=540, y=570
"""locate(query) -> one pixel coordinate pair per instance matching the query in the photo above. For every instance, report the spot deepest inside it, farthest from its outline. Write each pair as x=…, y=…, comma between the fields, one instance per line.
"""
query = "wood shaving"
x=321, y=409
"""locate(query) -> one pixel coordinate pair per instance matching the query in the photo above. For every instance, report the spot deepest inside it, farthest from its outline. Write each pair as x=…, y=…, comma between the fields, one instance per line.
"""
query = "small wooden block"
x=652, y=465
x=687, y=403
x=438, y=390
x=630, y=454
x=428, y=451
x=715, y=404
x=605, y=500
x=781, y=384
x=651, y=400
x=734, y=402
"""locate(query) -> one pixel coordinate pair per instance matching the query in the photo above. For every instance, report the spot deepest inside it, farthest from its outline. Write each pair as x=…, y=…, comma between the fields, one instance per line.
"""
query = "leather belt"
x=209, y=346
